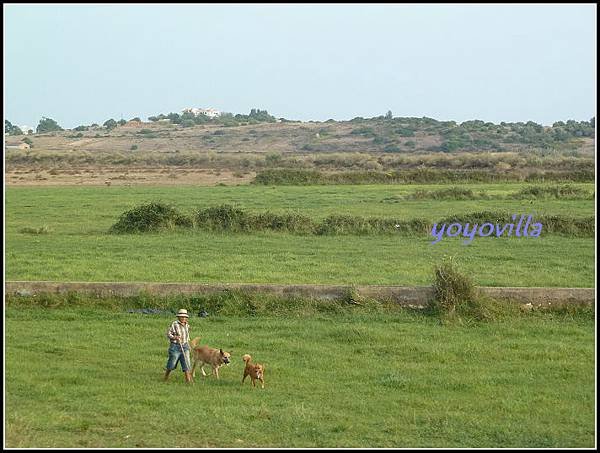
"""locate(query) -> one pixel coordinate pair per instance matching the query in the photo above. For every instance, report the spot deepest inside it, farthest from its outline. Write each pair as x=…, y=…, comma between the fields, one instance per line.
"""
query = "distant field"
x=343, y=380
x=77, y=246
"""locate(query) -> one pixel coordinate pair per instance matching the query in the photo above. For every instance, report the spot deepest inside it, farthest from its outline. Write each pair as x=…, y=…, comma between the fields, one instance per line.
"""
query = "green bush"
x=364, y=131
x=154, y=216
x=455, y=296
x=223, y=218
x=566, y=191
x=405, y=132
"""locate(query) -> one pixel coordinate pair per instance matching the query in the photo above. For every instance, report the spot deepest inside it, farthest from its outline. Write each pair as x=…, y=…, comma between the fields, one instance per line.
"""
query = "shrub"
x=455, y=296
x=405, y=132
x=566, y=191
x=133, y=147
x=154, y=216
x=391, y=148
x=291, y=222
x=273, y=158
x=364, y=131
x=223, y=218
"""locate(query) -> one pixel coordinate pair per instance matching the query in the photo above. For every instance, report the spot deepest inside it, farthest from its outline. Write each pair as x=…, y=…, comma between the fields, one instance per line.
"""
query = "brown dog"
x=254, y=370
x=203, y=355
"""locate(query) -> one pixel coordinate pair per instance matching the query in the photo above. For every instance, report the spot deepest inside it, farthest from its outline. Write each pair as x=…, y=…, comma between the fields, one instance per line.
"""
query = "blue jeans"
x=175, y=355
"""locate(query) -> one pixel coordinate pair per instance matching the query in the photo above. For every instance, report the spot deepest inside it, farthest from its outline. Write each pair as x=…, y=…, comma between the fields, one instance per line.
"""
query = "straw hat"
x=182, y=312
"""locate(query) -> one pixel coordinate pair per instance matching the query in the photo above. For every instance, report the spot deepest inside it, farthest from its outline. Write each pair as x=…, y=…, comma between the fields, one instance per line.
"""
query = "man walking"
x=179, y=349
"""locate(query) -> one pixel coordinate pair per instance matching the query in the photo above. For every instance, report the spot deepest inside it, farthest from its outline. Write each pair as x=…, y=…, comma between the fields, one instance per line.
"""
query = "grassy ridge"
x=332, y=380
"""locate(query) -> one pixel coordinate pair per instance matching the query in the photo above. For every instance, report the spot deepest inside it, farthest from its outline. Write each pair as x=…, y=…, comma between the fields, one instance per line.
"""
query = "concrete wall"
x=404, y=295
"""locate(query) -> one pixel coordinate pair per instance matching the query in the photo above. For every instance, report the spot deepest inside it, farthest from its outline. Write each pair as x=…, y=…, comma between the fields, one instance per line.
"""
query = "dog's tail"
x=246, y=358
x=194, y=342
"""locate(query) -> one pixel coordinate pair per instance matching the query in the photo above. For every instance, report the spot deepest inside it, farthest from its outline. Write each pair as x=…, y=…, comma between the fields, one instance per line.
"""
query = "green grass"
x=91, y=377
x=78, y=248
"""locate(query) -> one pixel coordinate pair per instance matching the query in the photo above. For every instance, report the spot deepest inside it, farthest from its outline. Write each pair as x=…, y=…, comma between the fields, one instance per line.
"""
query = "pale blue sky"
x=84, y=64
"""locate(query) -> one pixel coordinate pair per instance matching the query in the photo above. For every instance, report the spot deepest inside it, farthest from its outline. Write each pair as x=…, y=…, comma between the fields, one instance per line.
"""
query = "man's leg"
x=171, y=364
x=185, y=364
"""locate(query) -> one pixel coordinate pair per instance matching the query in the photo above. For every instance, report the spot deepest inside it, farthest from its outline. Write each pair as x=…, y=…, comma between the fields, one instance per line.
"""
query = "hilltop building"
x=210, y=112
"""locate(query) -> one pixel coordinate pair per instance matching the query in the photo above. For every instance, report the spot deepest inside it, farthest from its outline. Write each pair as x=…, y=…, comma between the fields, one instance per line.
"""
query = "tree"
x=11, y=129
x=121, y=122
x=137, y=118
x=48, y=125
x=388, y=115
x=261, y=115
x=110, y=124
x=175, y=118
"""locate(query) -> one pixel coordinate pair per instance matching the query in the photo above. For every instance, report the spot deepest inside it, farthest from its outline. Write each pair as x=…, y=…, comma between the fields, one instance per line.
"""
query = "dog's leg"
x=202, y=369
x=253, y=381
x=194, y=369
x=262, y=382
x=244, y=378
x=216, y=371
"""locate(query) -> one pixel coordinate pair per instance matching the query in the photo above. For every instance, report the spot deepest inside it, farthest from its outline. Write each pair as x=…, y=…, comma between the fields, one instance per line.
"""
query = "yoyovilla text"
x=487, y=229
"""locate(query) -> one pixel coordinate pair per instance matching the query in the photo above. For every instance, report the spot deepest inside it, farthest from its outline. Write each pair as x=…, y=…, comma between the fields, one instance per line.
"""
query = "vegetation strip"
x=417, y=176
x=558, y=192
x=156, y=216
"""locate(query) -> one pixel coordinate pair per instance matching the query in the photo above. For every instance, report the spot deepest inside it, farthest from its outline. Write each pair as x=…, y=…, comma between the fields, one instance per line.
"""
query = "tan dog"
x=254, y=370
x=216, y=358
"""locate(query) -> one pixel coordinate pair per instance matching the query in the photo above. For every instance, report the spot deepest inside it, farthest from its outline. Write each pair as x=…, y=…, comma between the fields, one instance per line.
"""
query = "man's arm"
x=172, y=333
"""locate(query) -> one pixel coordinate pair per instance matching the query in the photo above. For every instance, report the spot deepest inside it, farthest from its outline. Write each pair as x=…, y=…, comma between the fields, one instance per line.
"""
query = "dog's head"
x=225, y=357
x=259, y=371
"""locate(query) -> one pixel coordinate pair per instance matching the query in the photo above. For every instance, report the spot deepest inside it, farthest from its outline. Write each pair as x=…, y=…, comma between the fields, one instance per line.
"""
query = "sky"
x=83, y=64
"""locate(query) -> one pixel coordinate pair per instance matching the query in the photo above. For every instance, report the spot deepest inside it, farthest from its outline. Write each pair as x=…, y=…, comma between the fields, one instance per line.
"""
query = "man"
x=179, y=349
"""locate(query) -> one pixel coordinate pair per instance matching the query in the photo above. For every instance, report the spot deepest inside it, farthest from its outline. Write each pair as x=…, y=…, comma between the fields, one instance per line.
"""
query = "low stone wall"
x=404, y=295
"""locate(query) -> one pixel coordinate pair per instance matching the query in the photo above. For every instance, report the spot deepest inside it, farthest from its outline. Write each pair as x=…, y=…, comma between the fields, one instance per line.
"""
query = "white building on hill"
x=211, y=113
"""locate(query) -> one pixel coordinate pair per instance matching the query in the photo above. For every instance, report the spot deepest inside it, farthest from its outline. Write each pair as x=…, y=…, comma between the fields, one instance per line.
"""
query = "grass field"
x=91, y=377
x=78, y=248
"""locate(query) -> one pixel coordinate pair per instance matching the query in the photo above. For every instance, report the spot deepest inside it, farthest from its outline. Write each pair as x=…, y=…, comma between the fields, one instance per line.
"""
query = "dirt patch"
x=119, y=176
